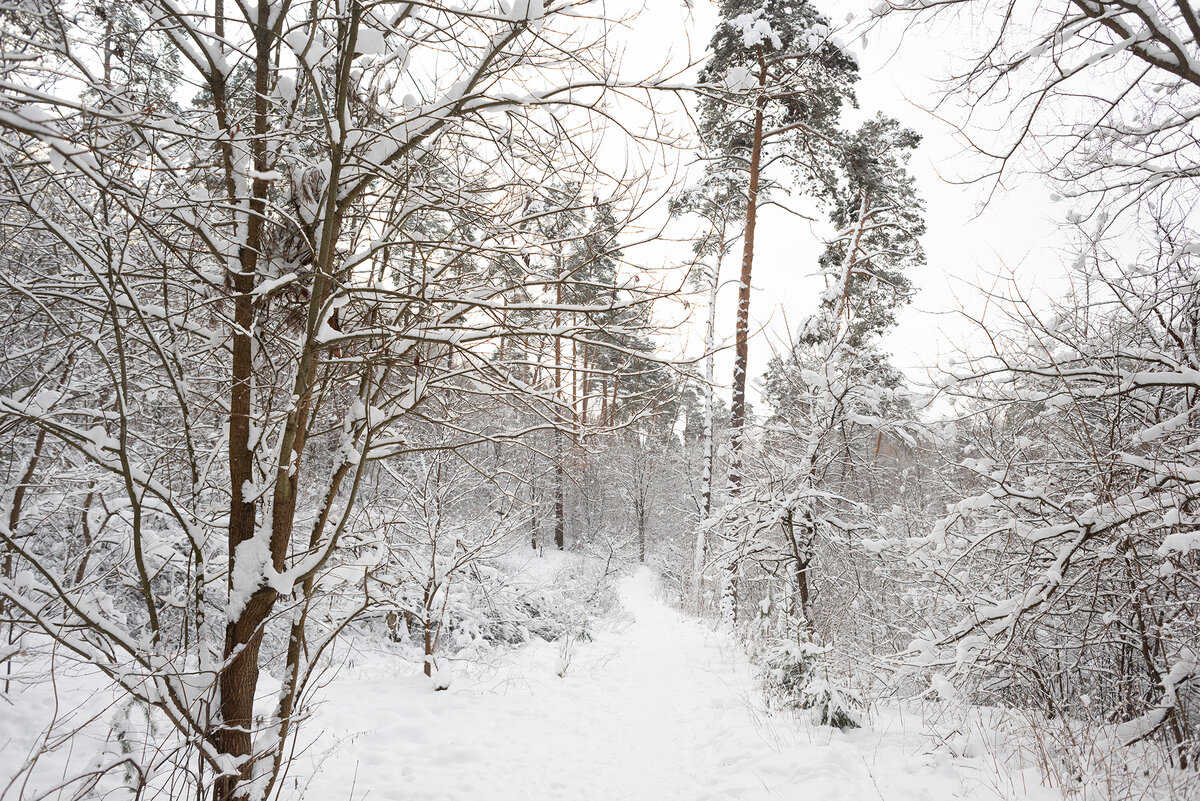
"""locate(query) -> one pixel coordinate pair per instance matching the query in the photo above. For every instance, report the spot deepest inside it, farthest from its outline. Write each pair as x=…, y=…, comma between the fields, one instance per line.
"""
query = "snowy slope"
x=655, y=708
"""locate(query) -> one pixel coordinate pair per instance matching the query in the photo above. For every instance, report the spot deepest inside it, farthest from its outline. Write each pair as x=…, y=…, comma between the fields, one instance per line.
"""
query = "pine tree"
x=835, y=396
x=777, y=80
x=879, y=219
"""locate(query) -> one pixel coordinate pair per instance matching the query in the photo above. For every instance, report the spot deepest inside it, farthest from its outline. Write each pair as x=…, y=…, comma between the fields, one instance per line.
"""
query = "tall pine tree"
x=776, y=82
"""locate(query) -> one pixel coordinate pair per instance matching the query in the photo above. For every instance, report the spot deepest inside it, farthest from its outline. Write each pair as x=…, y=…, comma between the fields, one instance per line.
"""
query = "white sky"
x=967, y=242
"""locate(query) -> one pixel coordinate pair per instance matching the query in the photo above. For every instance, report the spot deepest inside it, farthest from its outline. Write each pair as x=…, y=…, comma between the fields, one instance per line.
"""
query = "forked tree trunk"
x=238, y=681
x=802, y=560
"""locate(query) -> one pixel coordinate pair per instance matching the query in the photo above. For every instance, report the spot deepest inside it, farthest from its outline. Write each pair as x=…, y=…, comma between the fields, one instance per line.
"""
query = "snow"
x=754, y=30
x=297, y=40
x=285, y=89
x=657, y=707
x=326, y=333
x=1183, y=542
x=740, y=79
x=251, y=562
x=270, y=285
x=526, y=10
x=370, y=42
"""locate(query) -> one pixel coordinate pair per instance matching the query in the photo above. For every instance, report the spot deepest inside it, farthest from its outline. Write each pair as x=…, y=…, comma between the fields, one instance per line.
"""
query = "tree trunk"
x=737, y=411
x=802, y=558
x=612, y=406
x=706, y=489
x=586, y=385
x=604, y=402
x=700, y=555
x=243, y=633
x=533, y=517
x=427, y=625
x=560, y=479
x=560, y=523
x=14, y=520
x=238, y=680
x=640, y=511
x=729, y=597
x=574, y=388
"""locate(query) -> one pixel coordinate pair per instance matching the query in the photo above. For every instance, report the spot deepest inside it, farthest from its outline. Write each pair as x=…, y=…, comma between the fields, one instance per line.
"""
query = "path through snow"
x=654, y=709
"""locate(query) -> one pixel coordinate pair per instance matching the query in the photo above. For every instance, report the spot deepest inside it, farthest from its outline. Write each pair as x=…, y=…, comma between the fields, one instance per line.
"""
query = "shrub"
x=798, y=677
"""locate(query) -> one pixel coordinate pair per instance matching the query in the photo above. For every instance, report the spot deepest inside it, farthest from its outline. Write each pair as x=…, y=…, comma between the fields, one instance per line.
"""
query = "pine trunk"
x=737, y=412
x=560, y=479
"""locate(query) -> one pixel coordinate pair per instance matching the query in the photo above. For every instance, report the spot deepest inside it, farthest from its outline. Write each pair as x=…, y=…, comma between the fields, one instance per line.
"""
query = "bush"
x=503, y=602
x=797, y=676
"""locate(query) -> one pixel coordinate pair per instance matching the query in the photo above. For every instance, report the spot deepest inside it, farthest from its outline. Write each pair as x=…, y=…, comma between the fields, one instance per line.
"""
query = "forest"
x=599, y=399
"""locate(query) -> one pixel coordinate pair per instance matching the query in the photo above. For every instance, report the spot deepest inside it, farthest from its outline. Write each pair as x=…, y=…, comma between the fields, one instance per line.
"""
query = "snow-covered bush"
x=797, y=676
x=500, y=603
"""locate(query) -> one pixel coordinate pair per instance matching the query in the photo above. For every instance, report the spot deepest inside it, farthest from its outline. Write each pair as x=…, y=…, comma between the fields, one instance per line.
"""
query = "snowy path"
x=652, y=710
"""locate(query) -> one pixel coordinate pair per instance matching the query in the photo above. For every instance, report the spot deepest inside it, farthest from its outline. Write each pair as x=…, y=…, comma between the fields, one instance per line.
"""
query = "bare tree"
x=1082, y=493
x=1076, y=572
x=1100, y=93
x=249, y=297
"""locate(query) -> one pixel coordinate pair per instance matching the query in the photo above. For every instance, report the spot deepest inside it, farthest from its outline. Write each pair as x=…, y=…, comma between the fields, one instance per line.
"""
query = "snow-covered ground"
x=655, y=707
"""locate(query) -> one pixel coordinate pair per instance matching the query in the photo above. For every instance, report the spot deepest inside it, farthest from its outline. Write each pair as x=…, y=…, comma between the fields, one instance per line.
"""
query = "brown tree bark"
x=741, y=350
x=560, y=480
x=238, y=680
x=243, y=635
x=737, y=411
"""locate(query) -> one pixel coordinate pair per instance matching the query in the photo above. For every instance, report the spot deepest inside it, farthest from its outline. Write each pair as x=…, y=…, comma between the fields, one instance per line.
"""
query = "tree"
x=719, y=202
x=1112, y=90
x=834, y=398
x=776, y=79
x=879, y=217
x=1075, y=544
x=1079, y=502
x=440, y=515
x=608, y=378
